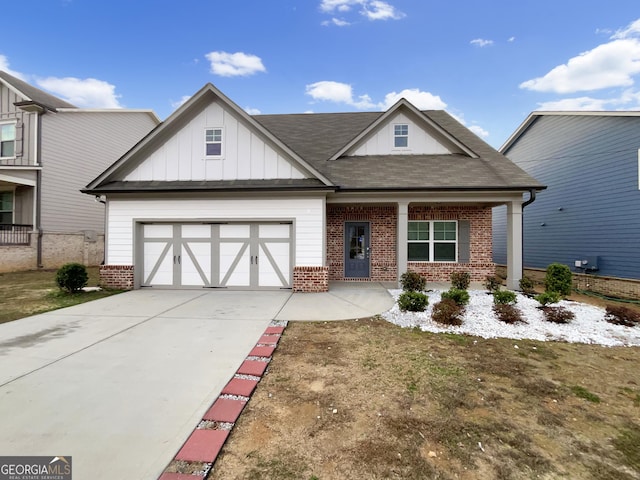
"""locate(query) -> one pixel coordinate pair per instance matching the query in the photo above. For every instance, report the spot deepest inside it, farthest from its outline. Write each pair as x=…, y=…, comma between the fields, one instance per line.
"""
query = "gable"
x=8, y=97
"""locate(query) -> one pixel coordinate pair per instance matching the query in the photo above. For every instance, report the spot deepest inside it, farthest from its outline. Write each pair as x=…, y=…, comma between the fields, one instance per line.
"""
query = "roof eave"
x=201, y=189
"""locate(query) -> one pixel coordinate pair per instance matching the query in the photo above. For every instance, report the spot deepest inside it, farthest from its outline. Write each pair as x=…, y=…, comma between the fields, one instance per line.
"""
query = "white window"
x=6, y=208
x=7, y=140
x=433, y=241
x=401, y=135
x=213, y=142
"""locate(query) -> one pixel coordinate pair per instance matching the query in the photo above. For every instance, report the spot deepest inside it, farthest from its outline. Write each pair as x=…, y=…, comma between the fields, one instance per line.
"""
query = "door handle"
x=256, y=259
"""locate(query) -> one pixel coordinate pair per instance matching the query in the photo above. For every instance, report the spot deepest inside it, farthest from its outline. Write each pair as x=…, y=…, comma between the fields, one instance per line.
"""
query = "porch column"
x=403, y=237
x=514, y=244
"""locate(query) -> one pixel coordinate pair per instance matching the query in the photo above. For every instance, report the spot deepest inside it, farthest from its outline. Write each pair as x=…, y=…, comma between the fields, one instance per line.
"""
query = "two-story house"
x=49, y=150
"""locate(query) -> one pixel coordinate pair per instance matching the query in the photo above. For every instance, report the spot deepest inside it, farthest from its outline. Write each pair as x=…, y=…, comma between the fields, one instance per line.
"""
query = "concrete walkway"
x=119, y=384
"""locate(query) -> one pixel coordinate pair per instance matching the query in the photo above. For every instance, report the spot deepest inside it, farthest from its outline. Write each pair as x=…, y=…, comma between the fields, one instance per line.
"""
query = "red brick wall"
x=116, y=276
x=310, y=279
x=481, y=263
x=383, y=220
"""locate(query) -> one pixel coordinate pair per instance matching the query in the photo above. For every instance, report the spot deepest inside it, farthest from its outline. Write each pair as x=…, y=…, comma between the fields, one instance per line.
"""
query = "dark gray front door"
x=356, y=250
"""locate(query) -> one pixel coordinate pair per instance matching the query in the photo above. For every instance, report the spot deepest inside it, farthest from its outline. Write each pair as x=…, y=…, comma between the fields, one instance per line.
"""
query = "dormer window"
x=7, y=140
x=213, y=142
x=401, y=135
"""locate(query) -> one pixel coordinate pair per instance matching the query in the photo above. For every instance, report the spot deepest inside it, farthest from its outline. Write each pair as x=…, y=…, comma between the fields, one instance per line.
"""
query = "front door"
x=356, y=250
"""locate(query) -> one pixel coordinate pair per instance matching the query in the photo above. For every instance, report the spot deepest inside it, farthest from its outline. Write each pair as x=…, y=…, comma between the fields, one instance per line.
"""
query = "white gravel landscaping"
x=588, y=326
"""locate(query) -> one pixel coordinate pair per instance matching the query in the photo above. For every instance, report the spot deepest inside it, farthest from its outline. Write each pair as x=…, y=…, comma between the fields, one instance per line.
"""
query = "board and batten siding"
x=76, y=147
x=25, y=151
x=306, y=213
x=592, y=203
x=245, y=154
x=381, y=142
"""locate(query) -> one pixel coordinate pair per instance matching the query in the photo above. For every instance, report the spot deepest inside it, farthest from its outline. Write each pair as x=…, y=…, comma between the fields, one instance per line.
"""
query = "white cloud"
x=252, y=111
x=4, y=65
x=481, y=42
x=83, y=93
x=370, y=9
x=479, y=131
x=631, y=30
x=180, y=102
x=337, y=92
x=234, y=64
x=511, y=39
x=418, y=98
x=628, y=100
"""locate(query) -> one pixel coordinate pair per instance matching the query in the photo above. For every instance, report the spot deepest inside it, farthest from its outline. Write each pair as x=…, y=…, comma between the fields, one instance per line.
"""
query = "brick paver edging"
x=200, y=451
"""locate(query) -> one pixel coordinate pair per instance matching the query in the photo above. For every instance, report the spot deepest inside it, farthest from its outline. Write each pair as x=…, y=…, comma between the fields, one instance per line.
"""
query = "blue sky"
x=488, y=63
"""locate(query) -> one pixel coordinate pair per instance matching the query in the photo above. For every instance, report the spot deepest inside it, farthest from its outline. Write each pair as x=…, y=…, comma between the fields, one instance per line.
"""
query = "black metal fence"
x=13, y=234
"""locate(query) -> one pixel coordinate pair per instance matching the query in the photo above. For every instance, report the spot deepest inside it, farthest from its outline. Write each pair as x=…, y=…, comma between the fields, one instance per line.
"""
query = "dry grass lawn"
x=369, y=400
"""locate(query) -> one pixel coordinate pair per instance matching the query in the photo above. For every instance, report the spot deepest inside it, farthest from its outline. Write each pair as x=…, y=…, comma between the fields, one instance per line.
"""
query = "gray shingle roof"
x=316, y=137
x=35, y=94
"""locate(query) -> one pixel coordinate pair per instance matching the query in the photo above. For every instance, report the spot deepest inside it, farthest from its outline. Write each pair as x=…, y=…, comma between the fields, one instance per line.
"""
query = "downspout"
x=38, y=153
x=532, y=198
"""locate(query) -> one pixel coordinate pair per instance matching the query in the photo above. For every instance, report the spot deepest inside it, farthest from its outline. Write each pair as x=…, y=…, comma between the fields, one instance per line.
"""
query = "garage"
x=234, y=255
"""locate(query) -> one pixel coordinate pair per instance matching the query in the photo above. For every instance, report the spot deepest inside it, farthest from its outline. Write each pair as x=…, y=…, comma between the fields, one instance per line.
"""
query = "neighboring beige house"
x=49, y=150
x=217, y=198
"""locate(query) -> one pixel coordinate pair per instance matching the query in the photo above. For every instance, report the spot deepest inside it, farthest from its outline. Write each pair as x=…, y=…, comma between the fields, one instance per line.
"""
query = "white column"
x=402, y=237
x=514, y=244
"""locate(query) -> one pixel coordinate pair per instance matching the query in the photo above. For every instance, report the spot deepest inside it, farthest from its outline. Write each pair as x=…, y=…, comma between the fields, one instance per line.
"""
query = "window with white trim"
x=7, y=140
x=401, y=135
x=6, y=208
x=213, y=142
x=433, y=241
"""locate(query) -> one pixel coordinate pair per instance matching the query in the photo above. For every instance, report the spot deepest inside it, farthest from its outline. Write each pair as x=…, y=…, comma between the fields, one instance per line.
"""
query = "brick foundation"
x=119, y=277
x=310, y=279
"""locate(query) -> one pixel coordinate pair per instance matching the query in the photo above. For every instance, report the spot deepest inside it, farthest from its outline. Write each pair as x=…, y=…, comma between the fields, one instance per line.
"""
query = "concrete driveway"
x=120, y=383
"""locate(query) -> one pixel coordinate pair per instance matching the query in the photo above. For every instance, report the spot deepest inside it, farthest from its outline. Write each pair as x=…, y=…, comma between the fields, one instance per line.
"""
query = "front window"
x=6, y=208
x=401, y=136
x=213, y=142
x=433, y=241
x=7, y=139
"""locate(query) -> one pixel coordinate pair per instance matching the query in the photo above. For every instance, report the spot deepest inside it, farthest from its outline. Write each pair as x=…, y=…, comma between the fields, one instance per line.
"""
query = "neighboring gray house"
x=217, y=198
x=49, y=150
x=591, y=210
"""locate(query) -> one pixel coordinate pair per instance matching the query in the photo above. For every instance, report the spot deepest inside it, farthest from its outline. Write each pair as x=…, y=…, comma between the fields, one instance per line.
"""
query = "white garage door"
x=234, y=255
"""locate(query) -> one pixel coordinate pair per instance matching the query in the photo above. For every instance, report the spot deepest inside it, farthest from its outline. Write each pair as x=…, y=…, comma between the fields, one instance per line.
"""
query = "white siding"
x=306, y=213
x=76, y=147
x=421, y=142
x=246, y=154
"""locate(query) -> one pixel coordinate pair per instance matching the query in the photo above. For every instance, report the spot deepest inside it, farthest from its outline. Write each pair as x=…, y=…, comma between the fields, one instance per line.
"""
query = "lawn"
x=35, y=291
x=368, y=399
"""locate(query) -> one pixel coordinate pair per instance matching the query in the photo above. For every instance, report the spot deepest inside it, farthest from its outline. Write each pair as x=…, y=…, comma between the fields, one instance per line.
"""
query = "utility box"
x=587, y=264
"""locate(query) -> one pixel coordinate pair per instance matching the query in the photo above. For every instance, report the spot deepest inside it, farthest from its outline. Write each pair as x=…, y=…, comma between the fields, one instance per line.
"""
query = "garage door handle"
x=176, y=257
x=256, y=259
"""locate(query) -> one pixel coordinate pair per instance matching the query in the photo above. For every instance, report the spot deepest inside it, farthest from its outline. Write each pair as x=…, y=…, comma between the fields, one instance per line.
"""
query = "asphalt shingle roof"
x=35, y=94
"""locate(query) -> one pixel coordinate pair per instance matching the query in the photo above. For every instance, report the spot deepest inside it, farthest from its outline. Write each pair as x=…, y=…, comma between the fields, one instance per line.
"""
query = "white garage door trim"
x=238, y=255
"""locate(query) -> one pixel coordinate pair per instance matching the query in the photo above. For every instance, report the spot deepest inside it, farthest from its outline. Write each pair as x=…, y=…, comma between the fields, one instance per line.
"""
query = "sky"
x=489, y=63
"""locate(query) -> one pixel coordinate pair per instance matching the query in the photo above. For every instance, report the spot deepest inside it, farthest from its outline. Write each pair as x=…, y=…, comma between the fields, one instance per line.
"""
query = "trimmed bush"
x=558, y=279
x=447, y=312
x=72, y=277
x=619, y=315
x=413, y=301
x=492, y=284
x=460, y=280
x=461, y=297
x=547, y=298
x=412, y=282
x=526, y=286
x=507, y=313
x=504, y=297
x=557, y=314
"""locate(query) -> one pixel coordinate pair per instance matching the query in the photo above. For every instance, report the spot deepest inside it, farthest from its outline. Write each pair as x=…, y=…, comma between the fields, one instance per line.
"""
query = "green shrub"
x=447, y=312
x=461, y=297
x=557, y=314
x=619, y=315
x=558, y=279
x=492, y=284
x=412, y=282
x=460, y=280
x=413, y=301
x=72, y=277
x=547, y=298
x=507, y=313
x=526, y=286
x=504, y=297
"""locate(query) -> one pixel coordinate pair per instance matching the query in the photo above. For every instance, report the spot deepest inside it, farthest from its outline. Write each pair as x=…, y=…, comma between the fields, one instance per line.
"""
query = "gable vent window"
x=213, y=142
x=401, y=136
x=7, y=140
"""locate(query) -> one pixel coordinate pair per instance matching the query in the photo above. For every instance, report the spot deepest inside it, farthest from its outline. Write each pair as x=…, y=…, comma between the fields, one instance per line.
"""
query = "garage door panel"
x=274, y=264
x=235, y=231
x=235, y=264
x=158, y=264
x=196, y=264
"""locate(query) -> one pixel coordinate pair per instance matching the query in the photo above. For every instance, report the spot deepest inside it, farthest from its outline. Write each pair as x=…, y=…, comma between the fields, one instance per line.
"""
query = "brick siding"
x=310, y=279
x=117, y=276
